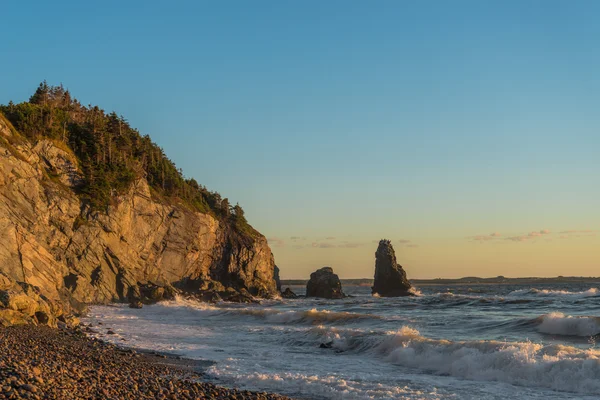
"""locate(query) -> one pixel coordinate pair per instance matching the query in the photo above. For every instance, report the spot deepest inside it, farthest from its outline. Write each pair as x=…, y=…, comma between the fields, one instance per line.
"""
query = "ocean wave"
x=319, y=386
x=592, y=292
x=271, y=315
x=556, y=367
x=312, y=316
x=557, y=323
x=449, y=299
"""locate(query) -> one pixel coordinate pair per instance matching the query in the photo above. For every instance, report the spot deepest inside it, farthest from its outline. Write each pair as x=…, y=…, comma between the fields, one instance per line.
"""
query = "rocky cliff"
x=54, y=246
x=390, y=277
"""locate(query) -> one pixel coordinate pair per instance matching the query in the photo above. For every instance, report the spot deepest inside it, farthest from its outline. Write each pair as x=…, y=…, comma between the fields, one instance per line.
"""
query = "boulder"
x=324, y=283
x=209, y=296
x=22, y=303
x=136, y=304
x=288, y=294
x=235, y=296
x=390, y=278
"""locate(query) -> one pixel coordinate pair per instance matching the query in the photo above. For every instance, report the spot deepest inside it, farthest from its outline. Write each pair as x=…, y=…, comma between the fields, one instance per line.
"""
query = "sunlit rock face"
x=57, y=249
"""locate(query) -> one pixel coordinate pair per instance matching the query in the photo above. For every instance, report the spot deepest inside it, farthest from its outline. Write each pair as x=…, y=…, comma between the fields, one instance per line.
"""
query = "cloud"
x=322, y=245
x=276, y=242
x=584, y=231
x=486, y=238
x=521, y=238
x=407, y=243
x=350, y=245
x=297, y=238
x=517, y=238
x=330, y=245
x=330, y=238
x=529, y=236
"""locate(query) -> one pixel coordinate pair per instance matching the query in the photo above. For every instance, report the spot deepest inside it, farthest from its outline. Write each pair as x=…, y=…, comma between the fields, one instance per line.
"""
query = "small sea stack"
x=390, y=278
x=325, y=284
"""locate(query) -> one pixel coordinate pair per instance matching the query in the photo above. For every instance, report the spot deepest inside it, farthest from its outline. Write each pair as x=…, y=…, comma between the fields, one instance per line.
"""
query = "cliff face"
x=51, y=241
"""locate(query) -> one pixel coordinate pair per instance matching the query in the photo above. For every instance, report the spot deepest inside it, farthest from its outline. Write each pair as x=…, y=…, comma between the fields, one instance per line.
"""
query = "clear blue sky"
x=428, y=121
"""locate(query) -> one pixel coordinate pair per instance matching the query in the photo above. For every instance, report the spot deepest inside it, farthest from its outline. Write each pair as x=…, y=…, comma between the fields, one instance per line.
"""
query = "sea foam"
x=592, y=292
x=555, y=367
x=557, y=323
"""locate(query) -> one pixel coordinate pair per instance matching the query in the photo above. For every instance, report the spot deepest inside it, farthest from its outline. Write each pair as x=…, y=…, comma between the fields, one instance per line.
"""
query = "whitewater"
x=449, y=342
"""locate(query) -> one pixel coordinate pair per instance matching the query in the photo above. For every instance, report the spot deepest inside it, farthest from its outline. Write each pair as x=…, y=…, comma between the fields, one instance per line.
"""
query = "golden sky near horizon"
x=537, y=253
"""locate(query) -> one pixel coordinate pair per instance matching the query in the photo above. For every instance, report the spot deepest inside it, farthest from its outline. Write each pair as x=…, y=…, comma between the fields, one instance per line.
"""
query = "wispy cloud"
x=578, y=231
x=485, y=238
x=350, y=245
x=276, y=242
x=516, y=238
x=574, y=233
x=331, y=245
x=407, y=243
x=529, y=236
x=323, y=245
x=297, y=238
x=330, y=238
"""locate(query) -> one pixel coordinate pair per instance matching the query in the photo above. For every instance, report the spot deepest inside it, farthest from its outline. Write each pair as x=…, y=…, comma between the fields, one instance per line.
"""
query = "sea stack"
x=390, y=278
x=324, y=283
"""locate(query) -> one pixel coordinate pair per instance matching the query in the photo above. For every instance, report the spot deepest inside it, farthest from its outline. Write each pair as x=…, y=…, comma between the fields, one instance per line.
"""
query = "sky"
x=466, y=132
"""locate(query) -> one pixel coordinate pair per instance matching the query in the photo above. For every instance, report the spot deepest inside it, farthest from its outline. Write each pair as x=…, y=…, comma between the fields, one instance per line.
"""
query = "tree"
x=41, y=94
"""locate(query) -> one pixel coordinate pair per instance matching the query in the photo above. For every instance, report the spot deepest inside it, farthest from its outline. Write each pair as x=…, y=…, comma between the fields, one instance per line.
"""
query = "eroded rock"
x=288, y=294
x=324, y=283
x=390, y=277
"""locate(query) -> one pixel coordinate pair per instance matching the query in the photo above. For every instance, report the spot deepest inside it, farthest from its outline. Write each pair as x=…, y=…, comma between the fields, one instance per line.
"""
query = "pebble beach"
x=38, y=362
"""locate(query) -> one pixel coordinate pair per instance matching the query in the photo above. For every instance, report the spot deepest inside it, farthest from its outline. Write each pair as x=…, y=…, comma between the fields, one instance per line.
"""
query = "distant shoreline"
x=470, y=280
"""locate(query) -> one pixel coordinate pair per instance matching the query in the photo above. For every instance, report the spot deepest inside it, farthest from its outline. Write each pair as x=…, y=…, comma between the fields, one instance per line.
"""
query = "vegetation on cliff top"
x=111, y=153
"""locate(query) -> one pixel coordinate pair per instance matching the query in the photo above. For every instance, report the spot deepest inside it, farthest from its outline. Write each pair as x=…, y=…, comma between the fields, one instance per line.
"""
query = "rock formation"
x=324, y=283
x=288, y=294
x=61, y=254
x=390, y=278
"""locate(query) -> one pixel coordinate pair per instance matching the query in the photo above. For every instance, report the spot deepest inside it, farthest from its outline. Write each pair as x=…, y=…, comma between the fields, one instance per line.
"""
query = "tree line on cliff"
x=111, y=153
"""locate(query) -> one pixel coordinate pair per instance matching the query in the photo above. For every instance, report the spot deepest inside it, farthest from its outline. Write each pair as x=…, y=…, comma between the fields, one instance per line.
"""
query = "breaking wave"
x=556, y=367
x=557, y=323
x=592, y=292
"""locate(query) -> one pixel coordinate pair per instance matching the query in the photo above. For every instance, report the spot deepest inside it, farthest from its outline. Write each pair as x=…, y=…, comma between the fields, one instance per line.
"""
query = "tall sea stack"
x=390, y=278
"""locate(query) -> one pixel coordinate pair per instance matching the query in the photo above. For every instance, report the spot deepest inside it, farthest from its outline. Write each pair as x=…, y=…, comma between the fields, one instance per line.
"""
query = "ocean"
x=449, y=342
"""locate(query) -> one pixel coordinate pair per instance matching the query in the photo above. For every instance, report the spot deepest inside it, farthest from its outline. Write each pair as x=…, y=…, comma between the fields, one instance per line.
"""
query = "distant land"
x=468, y=280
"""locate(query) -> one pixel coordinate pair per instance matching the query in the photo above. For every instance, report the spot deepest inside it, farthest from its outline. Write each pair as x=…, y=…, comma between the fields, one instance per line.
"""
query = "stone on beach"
x=37, y=362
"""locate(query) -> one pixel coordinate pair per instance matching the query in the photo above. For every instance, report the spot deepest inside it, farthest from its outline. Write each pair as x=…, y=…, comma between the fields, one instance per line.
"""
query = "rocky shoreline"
x=38, y=362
